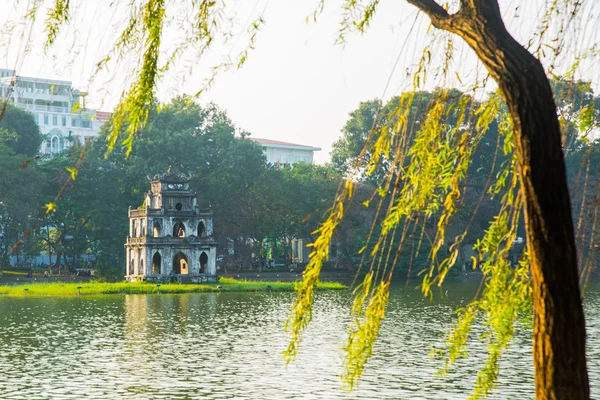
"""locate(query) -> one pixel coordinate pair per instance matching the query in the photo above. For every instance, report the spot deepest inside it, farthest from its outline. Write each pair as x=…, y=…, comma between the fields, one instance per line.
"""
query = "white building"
x=281, y=153
x=58, y=108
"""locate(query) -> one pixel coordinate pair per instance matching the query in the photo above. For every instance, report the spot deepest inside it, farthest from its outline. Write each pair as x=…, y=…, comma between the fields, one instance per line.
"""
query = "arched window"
x=156, y=229
x=203, y=262
x=201, y=229
x=54, y=144
x=57, y=143
x=134, y=228
x=180, y=264
x=156, y=263
x=179, y=229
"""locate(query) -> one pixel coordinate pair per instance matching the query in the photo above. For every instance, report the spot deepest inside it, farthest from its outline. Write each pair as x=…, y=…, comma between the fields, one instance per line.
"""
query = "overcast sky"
x=297, y=85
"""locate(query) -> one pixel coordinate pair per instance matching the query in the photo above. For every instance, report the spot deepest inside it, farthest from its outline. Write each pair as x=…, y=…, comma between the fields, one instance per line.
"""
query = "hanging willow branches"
x=427, y=160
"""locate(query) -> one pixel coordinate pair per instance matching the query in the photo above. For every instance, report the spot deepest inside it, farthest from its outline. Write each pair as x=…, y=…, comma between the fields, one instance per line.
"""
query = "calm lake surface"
x=218, y=346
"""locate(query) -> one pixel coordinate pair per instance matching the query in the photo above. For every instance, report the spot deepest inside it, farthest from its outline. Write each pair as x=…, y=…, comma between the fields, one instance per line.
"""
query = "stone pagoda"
x=170, y=237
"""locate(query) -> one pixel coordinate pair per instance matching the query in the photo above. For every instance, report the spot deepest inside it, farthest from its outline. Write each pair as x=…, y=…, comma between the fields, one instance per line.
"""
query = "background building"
x=285, y=153
x=58, y=108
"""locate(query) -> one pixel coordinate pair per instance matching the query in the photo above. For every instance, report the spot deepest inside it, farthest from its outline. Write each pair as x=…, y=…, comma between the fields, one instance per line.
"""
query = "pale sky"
x=296, y=86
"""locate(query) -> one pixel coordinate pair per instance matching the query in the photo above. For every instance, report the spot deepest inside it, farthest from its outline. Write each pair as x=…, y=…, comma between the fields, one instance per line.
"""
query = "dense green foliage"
x=19, y=131
x=76, y=202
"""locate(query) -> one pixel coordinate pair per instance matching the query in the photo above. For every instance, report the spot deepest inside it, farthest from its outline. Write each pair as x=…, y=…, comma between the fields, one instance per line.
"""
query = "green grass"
x=59, y=289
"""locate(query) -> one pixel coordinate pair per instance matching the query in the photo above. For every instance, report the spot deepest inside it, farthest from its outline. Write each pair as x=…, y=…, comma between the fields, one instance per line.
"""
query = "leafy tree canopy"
x=19, y=131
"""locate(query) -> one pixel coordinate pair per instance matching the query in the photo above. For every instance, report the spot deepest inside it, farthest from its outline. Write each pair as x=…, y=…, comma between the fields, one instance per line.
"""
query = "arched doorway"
x=201, y=229
x=156, y=229
x=57, y=141
x=156, y=263
x=130, y=262
x=180, y=264
x=179, y=229
x=203, y=262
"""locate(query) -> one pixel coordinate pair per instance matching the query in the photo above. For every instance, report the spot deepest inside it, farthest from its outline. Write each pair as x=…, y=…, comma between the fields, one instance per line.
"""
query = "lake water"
x=228, y=345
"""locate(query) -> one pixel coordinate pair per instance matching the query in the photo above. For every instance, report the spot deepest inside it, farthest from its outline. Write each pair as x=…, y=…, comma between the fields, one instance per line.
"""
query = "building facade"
x=170, y=237
x=58, y=108
x=283, y=153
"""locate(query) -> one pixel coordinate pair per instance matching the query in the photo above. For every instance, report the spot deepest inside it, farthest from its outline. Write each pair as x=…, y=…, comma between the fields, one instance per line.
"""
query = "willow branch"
x=438, y=15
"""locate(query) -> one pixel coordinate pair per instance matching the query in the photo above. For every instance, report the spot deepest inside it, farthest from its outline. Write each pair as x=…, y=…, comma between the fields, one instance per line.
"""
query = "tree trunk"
x=559, y=324
x=57, y=262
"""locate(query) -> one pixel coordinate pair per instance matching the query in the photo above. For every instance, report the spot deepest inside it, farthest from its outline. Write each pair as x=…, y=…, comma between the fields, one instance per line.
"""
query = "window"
x=55, y=120
x=64, y=121
x=54, y=144
x=179, y=229
x=156, y=261
x=203, y=262
x=45, y=119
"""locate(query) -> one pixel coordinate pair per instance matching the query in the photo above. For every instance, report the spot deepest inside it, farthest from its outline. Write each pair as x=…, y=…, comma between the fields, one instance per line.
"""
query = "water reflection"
x=229, y=345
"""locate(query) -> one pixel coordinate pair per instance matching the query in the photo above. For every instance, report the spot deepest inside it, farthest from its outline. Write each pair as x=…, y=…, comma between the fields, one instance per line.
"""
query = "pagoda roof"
x=171, y=177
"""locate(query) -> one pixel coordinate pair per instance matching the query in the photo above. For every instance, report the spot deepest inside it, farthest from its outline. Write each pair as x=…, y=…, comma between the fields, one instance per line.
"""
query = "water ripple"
x=228, y=346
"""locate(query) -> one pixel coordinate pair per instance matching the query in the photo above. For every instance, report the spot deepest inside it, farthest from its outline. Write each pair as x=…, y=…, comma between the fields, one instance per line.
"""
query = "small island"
x=66, y=289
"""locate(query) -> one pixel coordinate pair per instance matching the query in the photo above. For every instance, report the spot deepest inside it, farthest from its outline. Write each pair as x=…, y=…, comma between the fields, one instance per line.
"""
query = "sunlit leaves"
x=58, y=15
x=73, y=172
x=365, y=327
x=302, y=309
x=135, y=107
x=50, y=208
x=357, y=16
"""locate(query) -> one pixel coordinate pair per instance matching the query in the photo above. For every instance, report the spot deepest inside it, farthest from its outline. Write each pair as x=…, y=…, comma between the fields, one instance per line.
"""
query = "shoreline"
x=71, y=289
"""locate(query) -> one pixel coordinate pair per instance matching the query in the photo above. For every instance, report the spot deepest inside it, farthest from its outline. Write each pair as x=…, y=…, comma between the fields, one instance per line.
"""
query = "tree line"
x=76, y=202
x=256, y=205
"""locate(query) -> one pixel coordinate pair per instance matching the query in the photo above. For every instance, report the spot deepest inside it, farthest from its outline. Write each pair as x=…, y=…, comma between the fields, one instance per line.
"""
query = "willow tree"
x=559, y=323
x=426, y=171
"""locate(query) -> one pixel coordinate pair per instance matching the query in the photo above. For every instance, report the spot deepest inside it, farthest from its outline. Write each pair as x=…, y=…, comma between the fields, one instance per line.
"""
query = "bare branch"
x=438, y=15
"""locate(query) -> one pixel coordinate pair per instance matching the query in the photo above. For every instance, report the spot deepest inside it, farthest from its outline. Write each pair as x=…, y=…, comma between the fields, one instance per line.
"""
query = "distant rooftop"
x=103, y=115
x=280, y=144
x=8, y=75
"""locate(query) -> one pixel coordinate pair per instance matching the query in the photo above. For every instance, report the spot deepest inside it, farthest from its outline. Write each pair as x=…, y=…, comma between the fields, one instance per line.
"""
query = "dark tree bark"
x=559, y=324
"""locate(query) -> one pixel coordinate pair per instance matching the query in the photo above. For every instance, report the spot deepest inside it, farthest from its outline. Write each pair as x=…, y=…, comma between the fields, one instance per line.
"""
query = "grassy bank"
x=97, y=288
